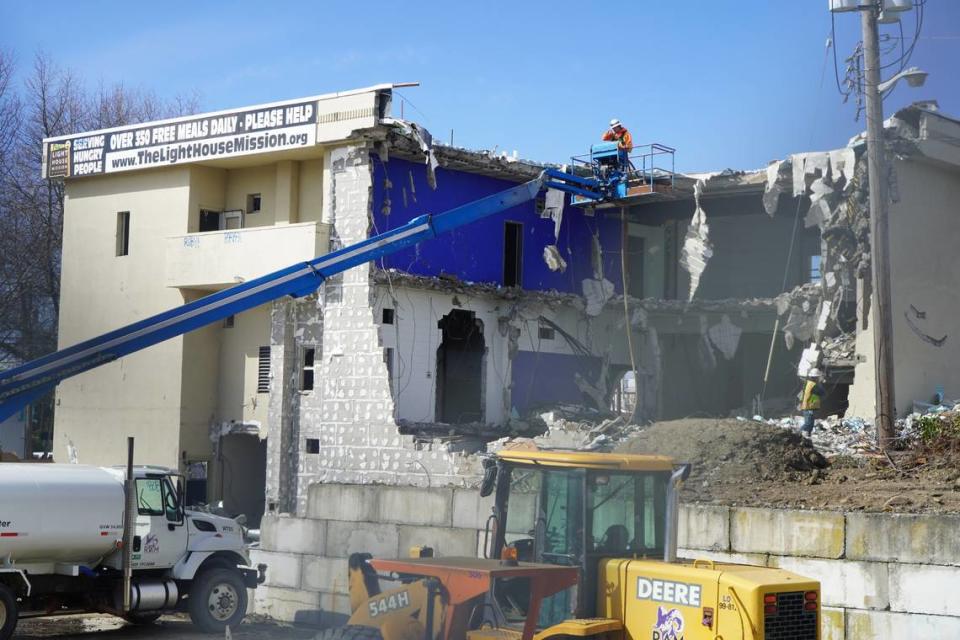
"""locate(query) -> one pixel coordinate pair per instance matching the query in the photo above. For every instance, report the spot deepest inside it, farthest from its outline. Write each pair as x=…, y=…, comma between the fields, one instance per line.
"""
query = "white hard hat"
x=615, y=123
x=814, y=373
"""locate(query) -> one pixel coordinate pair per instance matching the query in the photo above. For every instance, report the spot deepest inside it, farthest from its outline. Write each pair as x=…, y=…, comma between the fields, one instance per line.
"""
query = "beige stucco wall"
x=247, y=180
x=167, y=399
x=311, y=190
x=238, y=362
x=139, y=395
x=924, y=273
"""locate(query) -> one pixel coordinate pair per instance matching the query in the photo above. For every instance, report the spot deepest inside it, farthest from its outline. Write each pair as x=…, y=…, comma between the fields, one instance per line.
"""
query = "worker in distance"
x=619, y=134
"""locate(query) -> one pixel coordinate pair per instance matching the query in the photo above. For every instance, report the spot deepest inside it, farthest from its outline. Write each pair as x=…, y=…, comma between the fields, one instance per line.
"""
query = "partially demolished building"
x=727, y=286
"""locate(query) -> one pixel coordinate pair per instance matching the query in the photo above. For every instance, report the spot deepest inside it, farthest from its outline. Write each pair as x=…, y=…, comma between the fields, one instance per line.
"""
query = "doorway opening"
x=243, y=464
x=460, y=368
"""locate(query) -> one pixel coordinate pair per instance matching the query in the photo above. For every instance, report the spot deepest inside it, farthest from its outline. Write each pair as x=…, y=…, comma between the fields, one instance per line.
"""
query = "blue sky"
x=729, y=84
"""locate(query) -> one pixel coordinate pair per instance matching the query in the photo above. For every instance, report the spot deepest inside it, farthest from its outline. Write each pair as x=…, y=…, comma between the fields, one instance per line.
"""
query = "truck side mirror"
x=489, y=477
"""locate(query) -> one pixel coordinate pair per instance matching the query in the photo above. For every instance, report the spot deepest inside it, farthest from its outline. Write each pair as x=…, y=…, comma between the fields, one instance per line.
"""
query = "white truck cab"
x=61, y=548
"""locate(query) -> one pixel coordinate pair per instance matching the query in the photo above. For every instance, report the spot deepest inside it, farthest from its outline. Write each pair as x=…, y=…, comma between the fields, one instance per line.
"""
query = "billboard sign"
x=199, y=138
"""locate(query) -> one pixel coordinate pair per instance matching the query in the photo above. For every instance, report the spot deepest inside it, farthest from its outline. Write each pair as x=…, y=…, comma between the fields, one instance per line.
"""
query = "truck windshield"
x=150, y=496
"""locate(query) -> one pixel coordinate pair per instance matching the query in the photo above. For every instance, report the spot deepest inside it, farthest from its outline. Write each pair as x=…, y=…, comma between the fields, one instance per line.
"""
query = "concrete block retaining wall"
x=307, y=556
x=882, y=575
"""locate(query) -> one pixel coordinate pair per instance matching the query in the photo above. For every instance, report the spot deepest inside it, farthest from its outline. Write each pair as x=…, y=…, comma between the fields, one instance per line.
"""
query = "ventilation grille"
x=263, y=371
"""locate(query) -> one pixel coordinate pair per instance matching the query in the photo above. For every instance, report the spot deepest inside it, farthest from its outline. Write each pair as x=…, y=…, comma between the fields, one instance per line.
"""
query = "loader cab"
x=574, y=509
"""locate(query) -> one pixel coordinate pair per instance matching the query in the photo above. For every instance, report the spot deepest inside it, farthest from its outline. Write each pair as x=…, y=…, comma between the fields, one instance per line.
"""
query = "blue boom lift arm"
x=23, y=384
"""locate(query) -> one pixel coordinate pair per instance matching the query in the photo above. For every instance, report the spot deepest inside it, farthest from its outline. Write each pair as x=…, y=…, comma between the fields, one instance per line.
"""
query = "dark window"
x=253, y=203
x=123, y=233
x=229, y=322
x=209, y=220
x=313, y=445
x=636, y=246
x=546, y=332
x=387, y=316
x=306, y=378
x=263, y=370
x=512, y=254
x=460, y=368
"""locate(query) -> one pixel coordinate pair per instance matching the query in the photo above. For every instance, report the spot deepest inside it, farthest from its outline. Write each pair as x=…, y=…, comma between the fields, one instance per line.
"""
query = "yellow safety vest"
x=811, y=400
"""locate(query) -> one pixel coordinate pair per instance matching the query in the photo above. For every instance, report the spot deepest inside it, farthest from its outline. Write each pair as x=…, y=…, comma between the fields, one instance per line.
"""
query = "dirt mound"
x=746, y=463
x=728, y=449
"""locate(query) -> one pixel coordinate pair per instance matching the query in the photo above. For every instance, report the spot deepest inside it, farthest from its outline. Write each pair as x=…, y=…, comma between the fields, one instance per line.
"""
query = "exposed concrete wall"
x=307, y=556
x=924, y=296
x=882, y=575
x=925, y=272
x=350, y=412
x=414, y=336
x=749, y=247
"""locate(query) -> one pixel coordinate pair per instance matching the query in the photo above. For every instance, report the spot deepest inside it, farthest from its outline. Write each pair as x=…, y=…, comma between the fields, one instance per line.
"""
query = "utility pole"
x=879, y=233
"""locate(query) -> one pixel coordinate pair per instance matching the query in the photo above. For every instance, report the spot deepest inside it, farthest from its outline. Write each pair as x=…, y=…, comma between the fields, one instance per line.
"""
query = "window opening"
x=253, y=202
x=306, y=376
x=546, y=332
x=636, y=247
x=512, y=254
x=123, y=233
x=387, y=316
x=209, y=220
x=313, y=445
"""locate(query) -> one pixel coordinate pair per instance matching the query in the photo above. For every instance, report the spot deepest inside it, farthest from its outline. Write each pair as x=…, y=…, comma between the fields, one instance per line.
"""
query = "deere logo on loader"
x=665, y=591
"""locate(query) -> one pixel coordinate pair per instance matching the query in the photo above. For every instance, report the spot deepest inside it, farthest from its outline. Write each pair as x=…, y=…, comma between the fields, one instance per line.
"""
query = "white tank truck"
x=64, y=548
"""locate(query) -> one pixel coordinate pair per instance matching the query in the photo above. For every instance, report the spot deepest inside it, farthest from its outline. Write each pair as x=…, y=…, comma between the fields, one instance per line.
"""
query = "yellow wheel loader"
x=580, y=545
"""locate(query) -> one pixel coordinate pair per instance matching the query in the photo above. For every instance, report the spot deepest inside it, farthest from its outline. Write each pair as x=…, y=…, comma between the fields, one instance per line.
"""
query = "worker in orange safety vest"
x=619, y=134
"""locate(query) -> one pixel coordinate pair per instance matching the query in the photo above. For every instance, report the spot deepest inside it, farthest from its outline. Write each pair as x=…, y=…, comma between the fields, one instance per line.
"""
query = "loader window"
x=149, y=497
x=545, y=515
x=626, y=513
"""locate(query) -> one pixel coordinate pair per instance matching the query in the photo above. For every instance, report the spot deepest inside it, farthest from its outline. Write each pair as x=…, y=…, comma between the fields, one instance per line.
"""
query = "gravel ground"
x=103, y=627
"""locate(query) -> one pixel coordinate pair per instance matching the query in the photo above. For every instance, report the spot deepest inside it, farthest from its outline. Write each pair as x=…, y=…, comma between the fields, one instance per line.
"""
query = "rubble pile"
x=841, y=348
x=834, y=436
x=581, y=428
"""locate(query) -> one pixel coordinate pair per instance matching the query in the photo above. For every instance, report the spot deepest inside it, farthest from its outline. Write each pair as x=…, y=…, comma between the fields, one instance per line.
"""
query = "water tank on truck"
x=59, y=513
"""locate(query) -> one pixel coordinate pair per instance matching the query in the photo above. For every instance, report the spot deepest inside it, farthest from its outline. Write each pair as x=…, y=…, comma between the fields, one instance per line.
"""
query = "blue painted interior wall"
x=548, y=378
x=474, y=253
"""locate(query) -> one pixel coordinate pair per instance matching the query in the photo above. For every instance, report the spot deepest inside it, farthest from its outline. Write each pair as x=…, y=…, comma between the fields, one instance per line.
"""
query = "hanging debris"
x=697, y=248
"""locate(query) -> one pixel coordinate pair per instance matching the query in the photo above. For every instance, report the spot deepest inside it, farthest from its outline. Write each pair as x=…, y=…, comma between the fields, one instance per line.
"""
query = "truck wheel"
x=350, y=632
x=218, y=598
x=8, y=612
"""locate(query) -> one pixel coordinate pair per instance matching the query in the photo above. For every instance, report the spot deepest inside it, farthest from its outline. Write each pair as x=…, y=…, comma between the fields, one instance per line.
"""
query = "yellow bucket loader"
x=579, y=545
